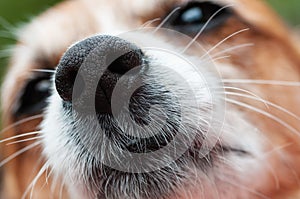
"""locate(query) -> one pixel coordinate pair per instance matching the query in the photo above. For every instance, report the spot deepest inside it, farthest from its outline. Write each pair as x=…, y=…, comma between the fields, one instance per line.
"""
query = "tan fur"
x=274, y=56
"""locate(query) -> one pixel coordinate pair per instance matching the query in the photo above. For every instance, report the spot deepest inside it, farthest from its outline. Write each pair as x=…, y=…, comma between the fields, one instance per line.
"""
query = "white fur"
x=62, y=151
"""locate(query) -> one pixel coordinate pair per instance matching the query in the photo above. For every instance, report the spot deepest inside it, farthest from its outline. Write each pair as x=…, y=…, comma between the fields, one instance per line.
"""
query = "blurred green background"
x=15, y=12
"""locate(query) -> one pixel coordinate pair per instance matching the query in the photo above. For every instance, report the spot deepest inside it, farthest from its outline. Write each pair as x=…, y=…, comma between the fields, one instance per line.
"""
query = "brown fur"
x=274, y=56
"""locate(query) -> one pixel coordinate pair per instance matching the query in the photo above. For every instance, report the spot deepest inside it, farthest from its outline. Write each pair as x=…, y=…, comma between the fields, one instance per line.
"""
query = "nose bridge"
x=116, y=16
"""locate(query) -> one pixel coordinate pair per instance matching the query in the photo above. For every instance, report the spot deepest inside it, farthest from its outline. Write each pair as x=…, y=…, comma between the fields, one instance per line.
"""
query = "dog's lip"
x=225, y=149
x=220, y=149
x=239, y=151
x=145, y=145
x=133, y=143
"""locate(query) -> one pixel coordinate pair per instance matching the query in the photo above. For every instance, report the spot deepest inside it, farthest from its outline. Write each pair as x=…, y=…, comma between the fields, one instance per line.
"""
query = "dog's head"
x=153, y=99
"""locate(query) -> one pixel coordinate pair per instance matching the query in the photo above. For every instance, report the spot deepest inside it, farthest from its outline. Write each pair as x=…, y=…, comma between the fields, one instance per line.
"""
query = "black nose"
x=91, y=69
x=110, y=55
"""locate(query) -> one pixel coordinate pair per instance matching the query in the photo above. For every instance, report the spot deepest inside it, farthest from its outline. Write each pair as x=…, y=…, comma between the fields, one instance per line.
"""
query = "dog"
x=152, y=99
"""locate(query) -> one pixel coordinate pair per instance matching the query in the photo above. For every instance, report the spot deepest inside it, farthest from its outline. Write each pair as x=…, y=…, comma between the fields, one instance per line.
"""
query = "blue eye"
x=194, y=15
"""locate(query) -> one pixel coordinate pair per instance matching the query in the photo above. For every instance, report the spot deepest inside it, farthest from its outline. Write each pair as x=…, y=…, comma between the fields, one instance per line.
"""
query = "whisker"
x=16, y=154
x=283, y=158
x=61, y=189
x=268, y=103
x=166, y=19
x=248, y=92
x=209, y=60
x=268, y=115
x=25, y=140
x=9, y=28
x=21, y=135
x=245, y=91
x=48, y=175
x=214, y=188
x=231, y=49
x=278, y=148
x=270, y=167
x=43, y=70
x=7, y=35
x=223, y=41
x=4, y=53
x=203, y=28
x=55, y=180
x=28, y=119
x=5, y=24
x=149, y=23
x=34, y=181
x=245, y=188
x=263, y=82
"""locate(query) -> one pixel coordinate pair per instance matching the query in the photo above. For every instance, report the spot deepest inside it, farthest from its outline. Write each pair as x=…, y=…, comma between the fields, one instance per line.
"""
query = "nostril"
x=125, y=62
x=65, y=79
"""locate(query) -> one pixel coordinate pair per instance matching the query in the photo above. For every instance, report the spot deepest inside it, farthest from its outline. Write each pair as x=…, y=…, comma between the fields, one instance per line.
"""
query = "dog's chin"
x=104, y=170
x=91, y=165
x=106, y=182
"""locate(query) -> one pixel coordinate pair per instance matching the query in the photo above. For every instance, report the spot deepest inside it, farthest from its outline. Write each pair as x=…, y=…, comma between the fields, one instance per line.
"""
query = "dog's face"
x=153, y=99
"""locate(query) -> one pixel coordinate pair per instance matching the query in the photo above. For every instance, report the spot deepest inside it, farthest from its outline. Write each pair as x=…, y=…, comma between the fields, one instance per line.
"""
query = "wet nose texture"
x=107, y=56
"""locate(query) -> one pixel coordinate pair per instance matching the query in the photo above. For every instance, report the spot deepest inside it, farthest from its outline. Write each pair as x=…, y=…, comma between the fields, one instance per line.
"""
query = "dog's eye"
x=194, y=15
x=33, y=98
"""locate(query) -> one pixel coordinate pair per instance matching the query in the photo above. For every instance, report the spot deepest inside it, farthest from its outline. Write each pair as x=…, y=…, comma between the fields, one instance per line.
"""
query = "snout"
x=124, y=106
x=86, y=80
